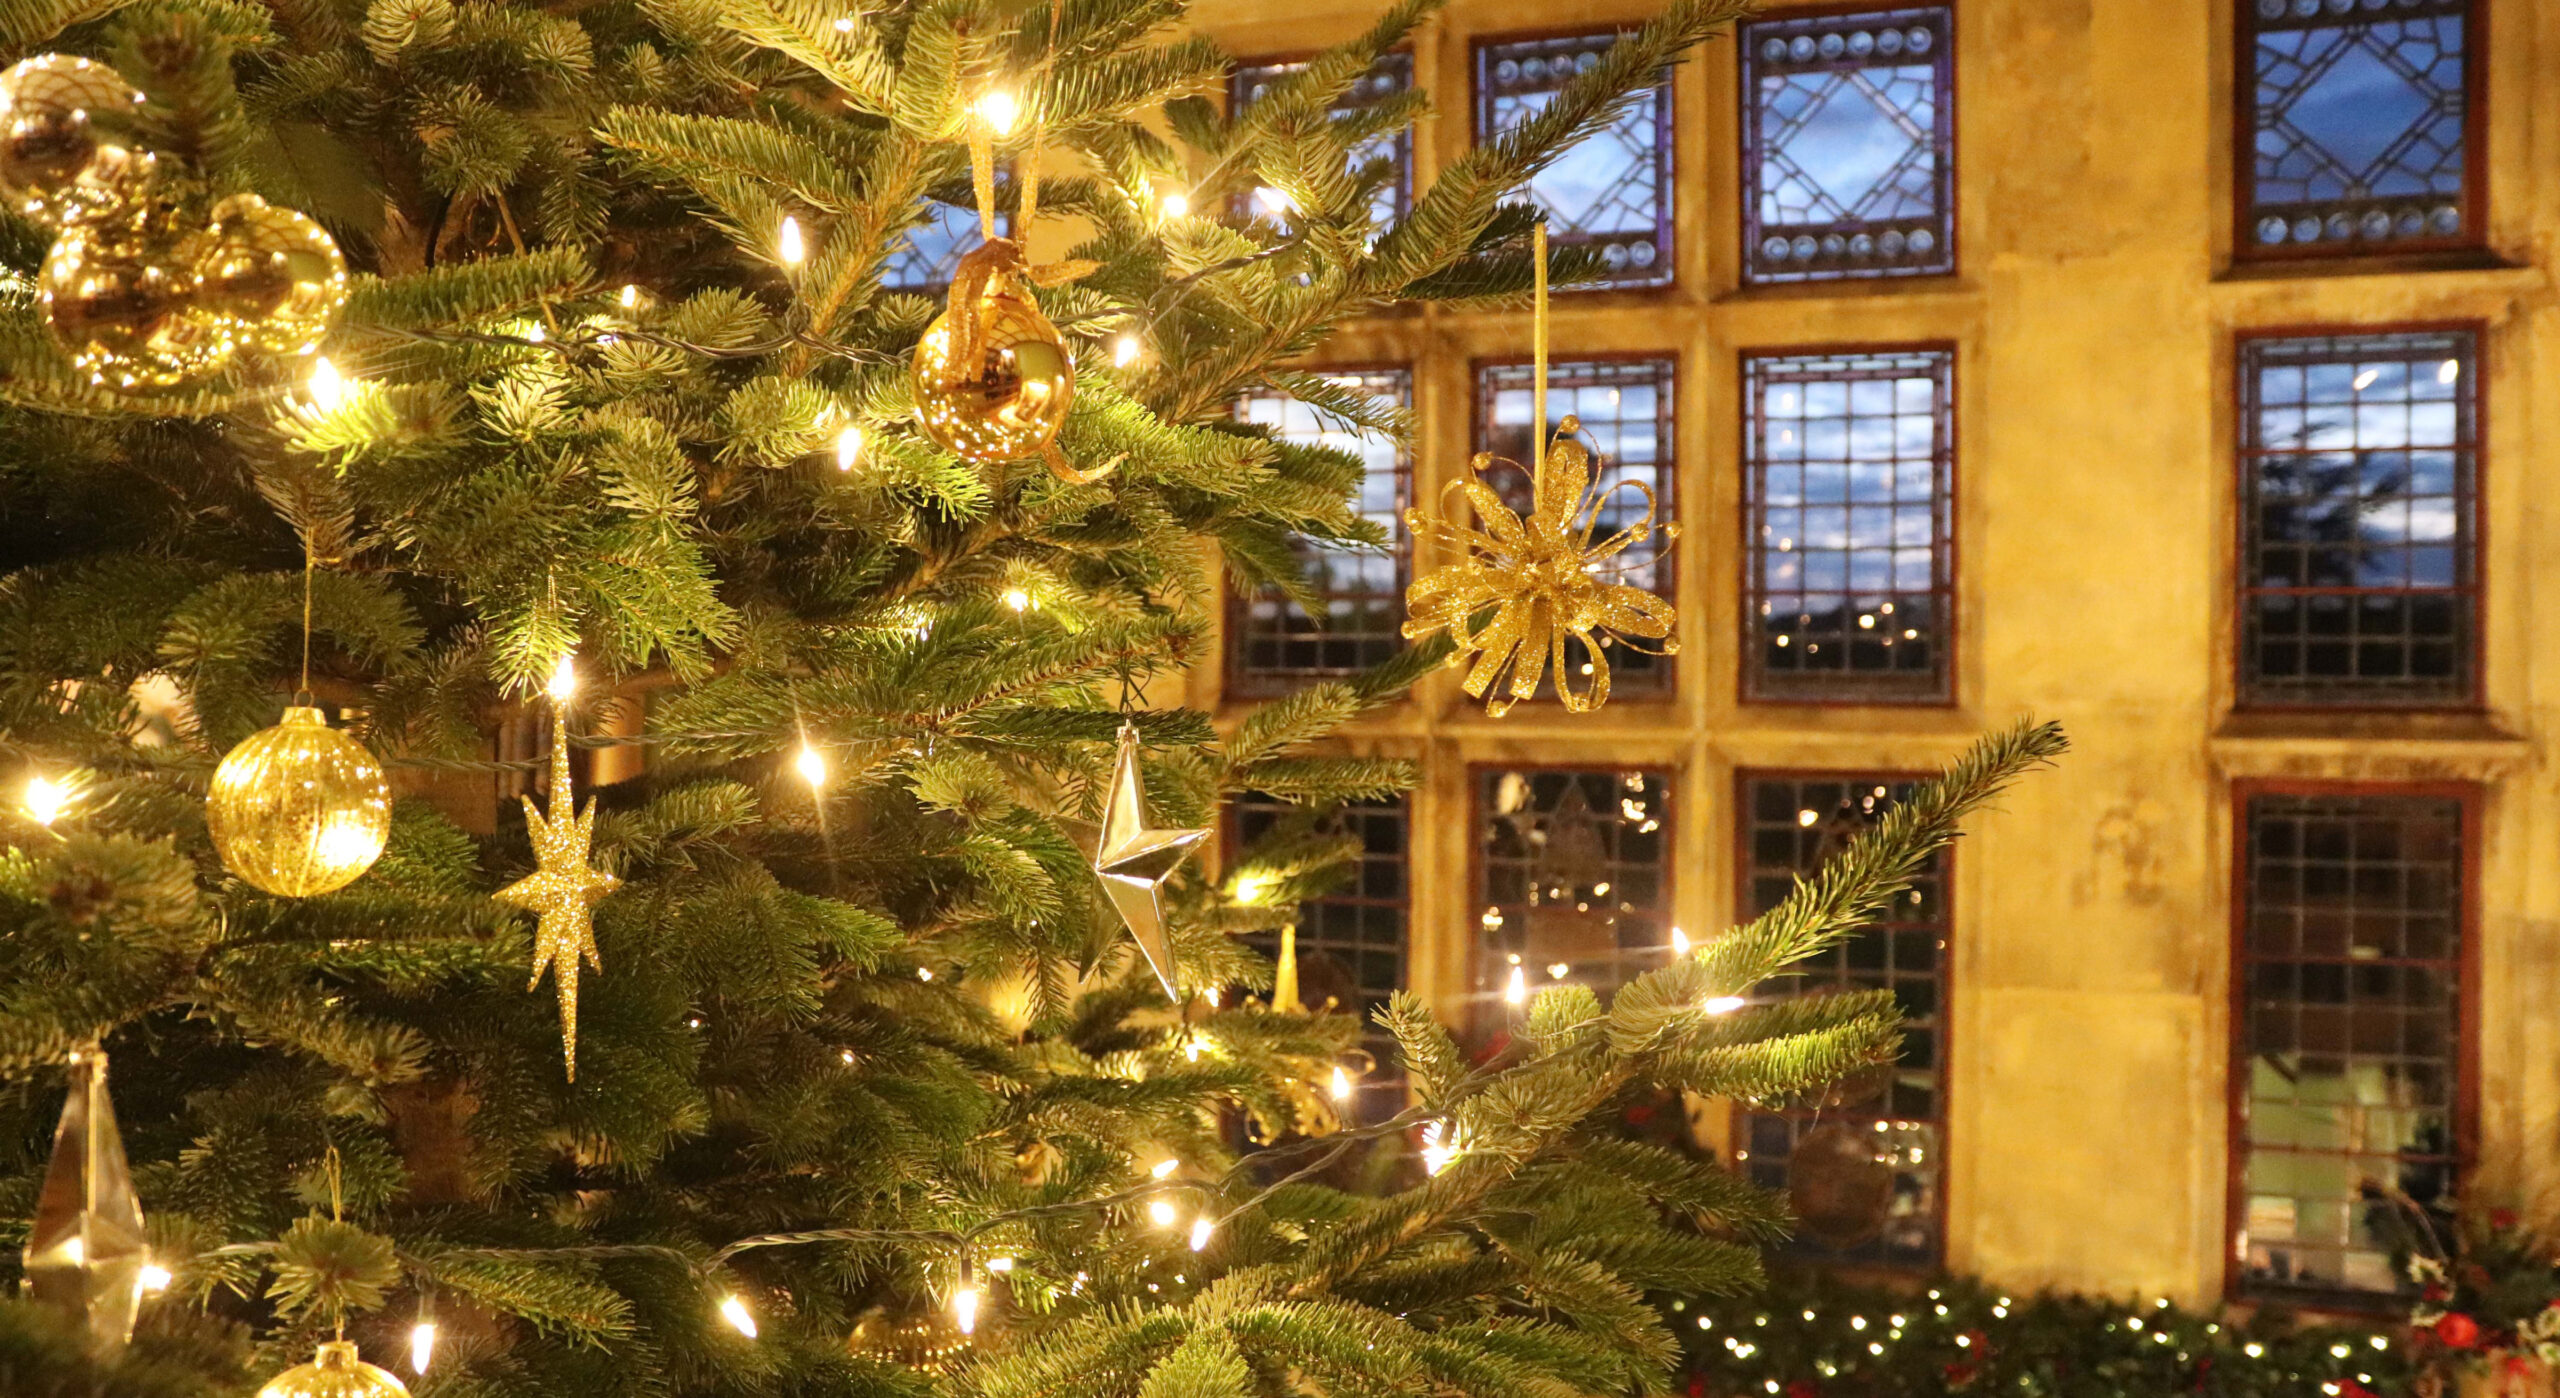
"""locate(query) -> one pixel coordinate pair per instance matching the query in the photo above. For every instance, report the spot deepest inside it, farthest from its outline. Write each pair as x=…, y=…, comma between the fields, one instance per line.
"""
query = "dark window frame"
x=1659, y=683
x=1486, y=1013
x=1944, y=137
x=1744, y=780
x=1947, y=591
x=2472, y=799
x=2474, y=519
x=2245, y=247
x=1248, y=682
x=1665, y=272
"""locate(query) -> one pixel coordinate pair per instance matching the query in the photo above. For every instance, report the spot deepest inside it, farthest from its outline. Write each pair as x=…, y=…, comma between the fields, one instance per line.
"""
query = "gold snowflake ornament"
x=1522, y=587
x=562, y=890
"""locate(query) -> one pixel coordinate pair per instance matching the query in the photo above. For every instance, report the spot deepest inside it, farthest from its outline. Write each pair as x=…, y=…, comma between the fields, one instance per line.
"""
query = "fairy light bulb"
x=327, y=387
x=422, y=1345
x=1018, y=599
x=1436, y=1151
x=1679, y=942
x=630, y=296
x=1125, y=351
x=733, y=1309
x=848, y=448
x=564, y=679
x=1203, y=1229
x=1341, y=1084
x=788, y=244
x=811, y=764
x=1273, y=201
x=1723, y=1004
x=964, y=1301
x=1161, y=1213
x=45, y=799
x=1164, y=1168
x=999, y=111
x=1516, y=990
x=155, y=1279
x=1176, y=205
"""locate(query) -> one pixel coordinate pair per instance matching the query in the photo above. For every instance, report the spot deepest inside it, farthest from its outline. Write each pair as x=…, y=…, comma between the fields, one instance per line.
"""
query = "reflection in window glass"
x=1612, y=192
x=2359, y=125
x=1352, y=939
x=2350, y=966
x=1272, y=642
x=1848, y=145
x=1390, y=75
x=2357, y=575
x=1895, y=1114
x=933, y=250
x=1573, y=879
x=1625, y=407
x=1848, y=498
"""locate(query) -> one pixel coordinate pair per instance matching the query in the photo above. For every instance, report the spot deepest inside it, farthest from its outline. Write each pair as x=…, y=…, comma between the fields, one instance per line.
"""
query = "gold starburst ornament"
x=563, y=888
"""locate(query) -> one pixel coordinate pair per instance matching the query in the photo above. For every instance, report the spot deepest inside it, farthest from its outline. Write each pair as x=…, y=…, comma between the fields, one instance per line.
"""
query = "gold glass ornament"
x=563, y=888
x=70, y=141
x=335, y=1372
x=274, y=273
x=85, y=1245
x=1133, y=861
x=993, y=378
x=299, y=809
x=118, y=296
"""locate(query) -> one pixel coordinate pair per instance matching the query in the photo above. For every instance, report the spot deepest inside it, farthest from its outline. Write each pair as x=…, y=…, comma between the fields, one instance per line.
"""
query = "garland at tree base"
x=1812, y=1335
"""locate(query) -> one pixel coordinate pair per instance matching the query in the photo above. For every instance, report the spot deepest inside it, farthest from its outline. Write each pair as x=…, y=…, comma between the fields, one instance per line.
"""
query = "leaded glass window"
x=1610, y=193
x=2351, y=1026
x=1390, y=75
x=1625, y=406
x=1848, y=145
x=2359, y=119
x=1878, y=1124
x=2357, y=577
x=933, y=249
x=1352, y=939
x=1573, y=879
x=1274, y=645
x=1848, y=505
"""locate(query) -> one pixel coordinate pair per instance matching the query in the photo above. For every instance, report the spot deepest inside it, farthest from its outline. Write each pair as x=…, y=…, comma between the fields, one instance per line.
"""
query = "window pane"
x=1789, y=826
x=2350, y=973
x=1848, y=146
x=1391, y=74
x=2356, y=573
x=2358, y=126
x=1612, y=192
x=1573, y=878
x=1848, y=473
x=933, y=250
x=1272, y=643
x=1626, y=412
x=1351, y=940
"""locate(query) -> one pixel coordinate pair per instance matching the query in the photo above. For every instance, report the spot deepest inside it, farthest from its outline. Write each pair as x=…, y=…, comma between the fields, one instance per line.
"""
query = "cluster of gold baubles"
x=140, y=294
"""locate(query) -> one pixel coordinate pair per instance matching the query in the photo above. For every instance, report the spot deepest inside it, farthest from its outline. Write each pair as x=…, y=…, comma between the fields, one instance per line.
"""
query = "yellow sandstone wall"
x=2094, y=310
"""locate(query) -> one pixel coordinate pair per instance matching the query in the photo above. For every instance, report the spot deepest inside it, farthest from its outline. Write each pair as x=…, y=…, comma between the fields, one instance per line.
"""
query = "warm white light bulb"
x=45, y=800
x=999, y=111
x=1164, y=1168
x=788, y=244
x=1341, y=1084
x=1723, y=1004
x=811, y=764
x=1125, y=351
x=422, y=1345
x=848, y=448
x=327, y=387
x=564, y=679
x=999, y=1264
x=733, y=1309
x=1203, y=1229
x=630, y=296
x=1176, y=205
x=964, y=1307
x=1436, y=1152
x=155, y=1279
x=1273, y=201
x=1161, y=1213
x=1517, y=991
x=1017, y=599
x=1679, y=942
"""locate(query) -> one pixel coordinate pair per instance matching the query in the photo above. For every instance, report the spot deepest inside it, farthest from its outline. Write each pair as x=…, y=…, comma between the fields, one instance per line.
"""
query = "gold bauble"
x=299, y=809
x=70, y=141
x=119, y=296
x=993, y=378
x=335, y=1373
x=274, y=273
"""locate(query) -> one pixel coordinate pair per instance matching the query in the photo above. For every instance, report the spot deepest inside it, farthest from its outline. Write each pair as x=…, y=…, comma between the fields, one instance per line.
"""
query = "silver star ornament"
x=1133, y=861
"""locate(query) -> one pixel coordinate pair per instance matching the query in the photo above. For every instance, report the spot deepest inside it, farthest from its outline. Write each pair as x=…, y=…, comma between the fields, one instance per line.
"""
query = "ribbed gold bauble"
x=70, y=141
x=299, y=809
x=993, y=378
x=335, y=1373
x=275, y=273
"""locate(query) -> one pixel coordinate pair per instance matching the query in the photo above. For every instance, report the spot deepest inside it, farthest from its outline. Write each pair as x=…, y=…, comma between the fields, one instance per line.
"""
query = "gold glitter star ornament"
x=1525, y=585
x=563, y=888
x=1133, y=860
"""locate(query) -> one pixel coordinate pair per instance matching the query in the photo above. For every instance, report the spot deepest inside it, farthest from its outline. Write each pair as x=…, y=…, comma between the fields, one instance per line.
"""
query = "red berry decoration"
x=2458, y=1330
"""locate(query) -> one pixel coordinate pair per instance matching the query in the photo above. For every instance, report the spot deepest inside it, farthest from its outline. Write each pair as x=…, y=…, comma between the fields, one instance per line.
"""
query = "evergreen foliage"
x=847, y=1049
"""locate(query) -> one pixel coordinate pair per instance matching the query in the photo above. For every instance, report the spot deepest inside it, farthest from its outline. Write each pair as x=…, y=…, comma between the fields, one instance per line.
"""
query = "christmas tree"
x=622, y=481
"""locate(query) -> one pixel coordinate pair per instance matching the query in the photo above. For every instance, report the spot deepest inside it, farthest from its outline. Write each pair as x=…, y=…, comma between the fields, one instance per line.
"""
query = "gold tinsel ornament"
x=85, y=1245
x=336, y=1372
x=563, y=888
x=299, y=809
x=1524, y=585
